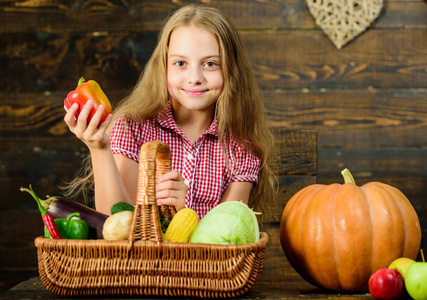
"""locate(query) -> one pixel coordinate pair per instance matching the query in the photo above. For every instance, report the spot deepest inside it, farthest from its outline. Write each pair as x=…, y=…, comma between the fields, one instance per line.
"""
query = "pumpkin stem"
x=348, y=178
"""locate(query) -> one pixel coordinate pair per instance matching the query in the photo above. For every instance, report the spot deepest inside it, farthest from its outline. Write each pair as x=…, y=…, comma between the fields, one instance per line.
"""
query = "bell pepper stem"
x=348, y=178
x=81, y=80
x=70, y=216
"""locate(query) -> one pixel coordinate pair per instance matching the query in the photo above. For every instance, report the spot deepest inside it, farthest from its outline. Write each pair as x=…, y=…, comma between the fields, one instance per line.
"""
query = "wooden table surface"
x=277, y=281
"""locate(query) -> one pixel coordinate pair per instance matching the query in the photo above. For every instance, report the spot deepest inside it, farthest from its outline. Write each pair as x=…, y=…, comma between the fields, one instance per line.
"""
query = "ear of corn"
x=182, y=225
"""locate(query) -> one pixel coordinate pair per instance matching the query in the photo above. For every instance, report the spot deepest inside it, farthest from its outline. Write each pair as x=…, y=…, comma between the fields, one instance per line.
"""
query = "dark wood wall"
x=367, y=101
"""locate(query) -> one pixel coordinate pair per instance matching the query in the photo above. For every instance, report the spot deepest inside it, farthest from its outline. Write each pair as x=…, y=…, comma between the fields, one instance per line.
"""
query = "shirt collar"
x=166, y=120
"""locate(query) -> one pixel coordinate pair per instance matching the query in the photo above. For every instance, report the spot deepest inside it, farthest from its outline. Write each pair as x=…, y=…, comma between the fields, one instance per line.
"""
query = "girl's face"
x=194, y=72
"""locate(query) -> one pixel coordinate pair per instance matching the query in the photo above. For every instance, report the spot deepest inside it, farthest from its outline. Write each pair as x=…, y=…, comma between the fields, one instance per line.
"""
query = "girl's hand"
x=171, y=190
x=93, y=136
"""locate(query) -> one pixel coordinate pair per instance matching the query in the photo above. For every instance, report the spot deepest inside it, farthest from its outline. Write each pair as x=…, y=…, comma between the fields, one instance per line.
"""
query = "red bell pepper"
x=88, y=90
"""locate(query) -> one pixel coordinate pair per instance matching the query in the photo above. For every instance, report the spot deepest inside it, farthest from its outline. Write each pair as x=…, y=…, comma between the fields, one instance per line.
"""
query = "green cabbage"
x=229, y=223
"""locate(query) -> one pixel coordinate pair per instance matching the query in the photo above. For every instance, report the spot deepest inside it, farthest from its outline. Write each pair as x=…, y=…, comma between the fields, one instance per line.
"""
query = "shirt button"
x=190, y=156
x=186, y=181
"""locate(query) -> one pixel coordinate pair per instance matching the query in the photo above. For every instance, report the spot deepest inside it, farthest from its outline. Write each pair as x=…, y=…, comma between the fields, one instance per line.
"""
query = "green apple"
x=401, y=264
x=416, y=280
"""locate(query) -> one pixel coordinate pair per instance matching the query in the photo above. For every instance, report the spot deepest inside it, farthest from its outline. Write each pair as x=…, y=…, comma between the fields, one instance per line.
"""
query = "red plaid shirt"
x=202, y=165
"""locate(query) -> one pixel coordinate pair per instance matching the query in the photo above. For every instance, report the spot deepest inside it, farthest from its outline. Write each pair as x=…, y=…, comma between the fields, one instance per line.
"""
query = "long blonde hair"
x=240, y=108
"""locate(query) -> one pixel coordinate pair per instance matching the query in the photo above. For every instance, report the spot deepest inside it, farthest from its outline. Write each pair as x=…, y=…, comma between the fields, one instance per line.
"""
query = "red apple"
x=386, y=284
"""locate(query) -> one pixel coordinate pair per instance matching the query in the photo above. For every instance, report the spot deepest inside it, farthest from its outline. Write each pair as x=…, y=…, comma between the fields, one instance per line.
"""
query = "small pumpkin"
x=336, y=236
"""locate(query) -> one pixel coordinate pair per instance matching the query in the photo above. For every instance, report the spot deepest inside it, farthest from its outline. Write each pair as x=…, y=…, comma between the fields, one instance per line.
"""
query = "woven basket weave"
x=143, y=264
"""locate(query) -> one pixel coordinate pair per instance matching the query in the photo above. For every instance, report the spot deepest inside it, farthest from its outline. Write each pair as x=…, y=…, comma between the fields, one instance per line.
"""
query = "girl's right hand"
x=171, y=190
x=93, y=136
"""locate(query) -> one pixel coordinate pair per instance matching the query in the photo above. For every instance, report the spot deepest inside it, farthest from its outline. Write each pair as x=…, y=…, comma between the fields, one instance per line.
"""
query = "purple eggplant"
x=60, y=207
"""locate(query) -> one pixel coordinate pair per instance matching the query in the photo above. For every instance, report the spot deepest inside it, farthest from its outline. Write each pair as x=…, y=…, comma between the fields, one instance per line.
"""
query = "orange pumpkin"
x=336, y=236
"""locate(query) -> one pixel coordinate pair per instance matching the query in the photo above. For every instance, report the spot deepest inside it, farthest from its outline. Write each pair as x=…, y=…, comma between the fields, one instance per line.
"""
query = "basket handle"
x=154, y=161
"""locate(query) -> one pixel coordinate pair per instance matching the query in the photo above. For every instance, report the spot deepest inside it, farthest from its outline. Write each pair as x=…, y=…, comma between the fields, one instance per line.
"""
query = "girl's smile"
x=195, y=93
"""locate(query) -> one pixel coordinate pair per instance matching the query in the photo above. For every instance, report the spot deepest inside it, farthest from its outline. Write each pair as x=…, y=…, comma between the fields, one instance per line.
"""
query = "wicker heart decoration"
x=343, y=20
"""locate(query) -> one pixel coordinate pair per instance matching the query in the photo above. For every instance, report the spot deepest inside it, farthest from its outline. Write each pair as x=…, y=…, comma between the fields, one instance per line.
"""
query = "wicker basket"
x=143, y=264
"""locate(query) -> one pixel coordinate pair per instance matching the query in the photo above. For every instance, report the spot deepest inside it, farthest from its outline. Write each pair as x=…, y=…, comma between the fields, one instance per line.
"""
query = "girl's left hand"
x=171, y=190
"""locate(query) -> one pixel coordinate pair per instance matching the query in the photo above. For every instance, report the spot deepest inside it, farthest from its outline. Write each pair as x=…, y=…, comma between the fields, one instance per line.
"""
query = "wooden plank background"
x=367, y=101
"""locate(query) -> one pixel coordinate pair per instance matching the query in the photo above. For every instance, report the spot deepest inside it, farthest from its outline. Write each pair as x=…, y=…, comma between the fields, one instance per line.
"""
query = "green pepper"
x=69, y=228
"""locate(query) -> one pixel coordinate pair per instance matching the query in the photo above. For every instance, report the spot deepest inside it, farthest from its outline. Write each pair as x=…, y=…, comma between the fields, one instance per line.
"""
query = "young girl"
x=197, y=94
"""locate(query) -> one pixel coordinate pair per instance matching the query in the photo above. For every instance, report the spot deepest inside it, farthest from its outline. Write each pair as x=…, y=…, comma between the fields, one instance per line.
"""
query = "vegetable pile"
x=60, y=207
x=229, y=223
